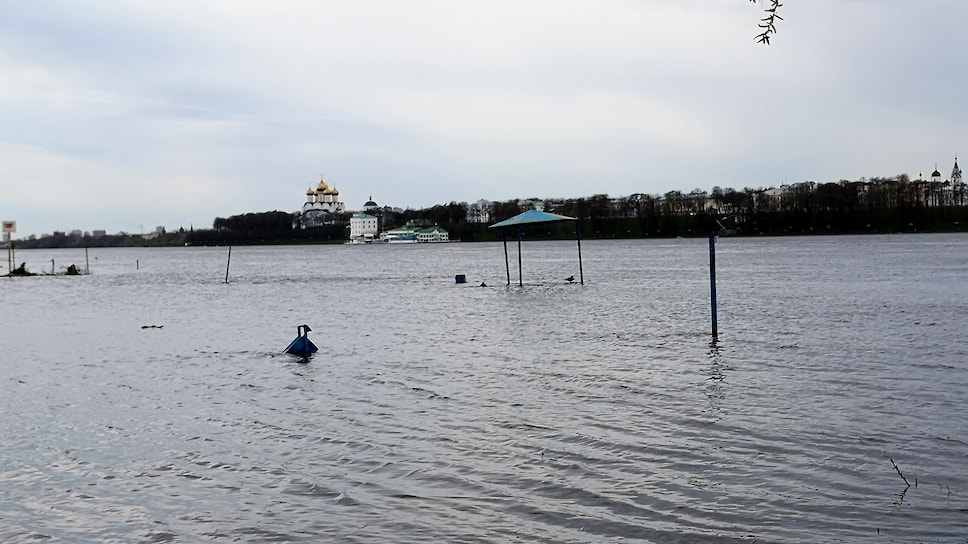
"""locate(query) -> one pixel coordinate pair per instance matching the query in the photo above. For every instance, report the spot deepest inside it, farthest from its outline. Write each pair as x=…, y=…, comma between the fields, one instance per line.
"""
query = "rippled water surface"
x=552, y=412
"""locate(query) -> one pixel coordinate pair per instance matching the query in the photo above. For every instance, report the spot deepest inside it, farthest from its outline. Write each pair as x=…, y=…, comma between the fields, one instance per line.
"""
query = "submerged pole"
x=520, y=277
x=227, y=263
x=507, y=265
x=581, y=273
x=712, y=282
x=87, y=260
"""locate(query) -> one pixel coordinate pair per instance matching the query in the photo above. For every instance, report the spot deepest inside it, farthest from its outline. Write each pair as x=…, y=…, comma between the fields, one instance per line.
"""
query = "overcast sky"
x=127, y=115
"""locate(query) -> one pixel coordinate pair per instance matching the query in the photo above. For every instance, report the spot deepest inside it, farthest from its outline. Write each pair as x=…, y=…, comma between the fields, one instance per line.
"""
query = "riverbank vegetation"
x=879, y=205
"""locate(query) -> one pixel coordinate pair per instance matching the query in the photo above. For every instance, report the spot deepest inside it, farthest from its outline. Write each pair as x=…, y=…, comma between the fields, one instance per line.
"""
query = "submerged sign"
x=9, y=226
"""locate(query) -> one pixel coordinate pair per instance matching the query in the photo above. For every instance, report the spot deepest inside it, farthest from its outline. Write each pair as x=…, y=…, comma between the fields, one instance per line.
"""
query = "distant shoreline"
x=179, y=240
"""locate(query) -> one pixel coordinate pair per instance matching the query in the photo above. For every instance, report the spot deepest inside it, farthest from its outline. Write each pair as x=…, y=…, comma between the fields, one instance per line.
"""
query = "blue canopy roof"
x=531, y=216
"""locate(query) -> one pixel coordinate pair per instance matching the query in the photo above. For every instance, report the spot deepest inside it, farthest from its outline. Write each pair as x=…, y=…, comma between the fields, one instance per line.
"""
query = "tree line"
x=878, y=205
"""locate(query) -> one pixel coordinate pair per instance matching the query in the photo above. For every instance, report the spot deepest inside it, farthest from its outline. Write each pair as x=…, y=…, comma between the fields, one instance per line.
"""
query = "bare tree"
x=768, y=23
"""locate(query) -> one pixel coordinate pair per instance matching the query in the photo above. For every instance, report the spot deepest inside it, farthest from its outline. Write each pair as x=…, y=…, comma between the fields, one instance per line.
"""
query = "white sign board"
x=9, y=226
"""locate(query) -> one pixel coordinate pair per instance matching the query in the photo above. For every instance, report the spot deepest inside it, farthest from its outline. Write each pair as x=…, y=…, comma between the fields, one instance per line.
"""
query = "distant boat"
x=406, y=238
x=412, y=234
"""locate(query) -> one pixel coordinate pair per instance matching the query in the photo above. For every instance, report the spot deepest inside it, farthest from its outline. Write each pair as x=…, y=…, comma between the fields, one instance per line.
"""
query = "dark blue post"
x=581, y=273
x=520, y=276
x=712, y=281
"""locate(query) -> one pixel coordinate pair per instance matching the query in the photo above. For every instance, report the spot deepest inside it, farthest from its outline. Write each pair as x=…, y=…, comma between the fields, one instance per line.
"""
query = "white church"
x=320, y=203
x=365, y=228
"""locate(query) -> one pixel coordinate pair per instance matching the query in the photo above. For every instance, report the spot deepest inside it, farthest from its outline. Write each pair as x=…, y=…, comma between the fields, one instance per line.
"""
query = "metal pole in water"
x=506, y=264
x=581, y=273
x=52, y=266
x=712, y=282
x=520, y=276
x=87, y=260
x=227, y=262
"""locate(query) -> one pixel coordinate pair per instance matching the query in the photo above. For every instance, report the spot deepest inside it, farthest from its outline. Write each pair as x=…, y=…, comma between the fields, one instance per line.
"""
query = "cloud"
x=54, y=185
x=239, y=106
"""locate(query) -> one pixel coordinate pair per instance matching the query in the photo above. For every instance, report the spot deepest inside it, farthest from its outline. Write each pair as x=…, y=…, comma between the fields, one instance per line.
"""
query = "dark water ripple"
x=436, y=412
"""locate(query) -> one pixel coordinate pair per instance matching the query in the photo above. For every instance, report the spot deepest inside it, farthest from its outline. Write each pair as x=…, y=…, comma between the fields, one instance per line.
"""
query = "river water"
x=149, y=401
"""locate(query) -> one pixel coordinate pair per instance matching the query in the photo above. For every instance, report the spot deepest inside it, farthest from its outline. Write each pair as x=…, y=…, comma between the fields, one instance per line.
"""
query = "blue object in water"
x=301, y=345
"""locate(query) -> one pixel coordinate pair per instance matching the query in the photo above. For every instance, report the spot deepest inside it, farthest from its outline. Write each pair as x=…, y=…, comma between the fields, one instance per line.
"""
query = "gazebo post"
x=507, y=265
x=581, y=273
x=520, y=276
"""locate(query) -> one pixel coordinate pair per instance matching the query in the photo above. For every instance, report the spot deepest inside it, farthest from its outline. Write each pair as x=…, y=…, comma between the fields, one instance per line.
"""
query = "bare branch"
x=899, y=472
x=768, y=24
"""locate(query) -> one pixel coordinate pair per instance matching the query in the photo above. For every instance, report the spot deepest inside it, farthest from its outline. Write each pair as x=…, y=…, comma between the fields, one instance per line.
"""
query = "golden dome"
x=310, y=192
x=322, y=187
x=331, y=191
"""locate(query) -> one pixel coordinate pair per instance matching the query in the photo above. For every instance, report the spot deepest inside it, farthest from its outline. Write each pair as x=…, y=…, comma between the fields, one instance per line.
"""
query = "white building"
x=363, y=228
x=479, y=212
x=432, y=234
x=406, y=234
x=411, y=234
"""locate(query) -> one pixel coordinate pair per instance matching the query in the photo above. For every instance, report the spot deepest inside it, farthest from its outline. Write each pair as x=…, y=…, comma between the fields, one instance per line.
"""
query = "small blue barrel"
x=459, y=278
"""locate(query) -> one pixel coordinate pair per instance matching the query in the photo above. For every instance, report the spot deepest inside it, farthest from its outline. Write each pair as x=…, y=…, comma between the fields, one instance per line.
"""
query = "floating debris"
x=21, y=271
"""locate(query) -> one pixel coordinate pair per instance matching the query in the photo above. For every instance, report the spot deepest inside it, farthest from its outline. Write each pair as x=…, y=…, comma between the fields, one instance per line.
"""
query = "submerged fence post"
x=227, y=263
x=712, y=282
x=87, y=260
x=520, y=275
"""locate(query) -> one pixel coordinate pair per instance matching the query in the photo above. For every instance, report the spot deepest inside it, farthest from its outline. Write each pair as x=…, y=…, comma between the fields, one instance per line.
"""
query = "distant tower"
x=935, y=176
x=956, y=173
x=310, y=200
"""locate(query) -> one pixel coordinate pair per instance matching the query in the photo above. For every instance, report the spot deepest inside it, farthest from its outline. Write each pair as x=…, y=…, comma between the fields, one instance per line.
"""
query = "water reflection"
x=716, y=379
x=548, y=413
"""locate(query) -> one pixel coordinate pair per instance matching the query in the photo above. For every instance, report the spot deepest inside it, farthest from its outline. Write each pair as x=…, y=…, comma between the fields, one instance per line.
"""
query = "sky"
x=127, y=115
